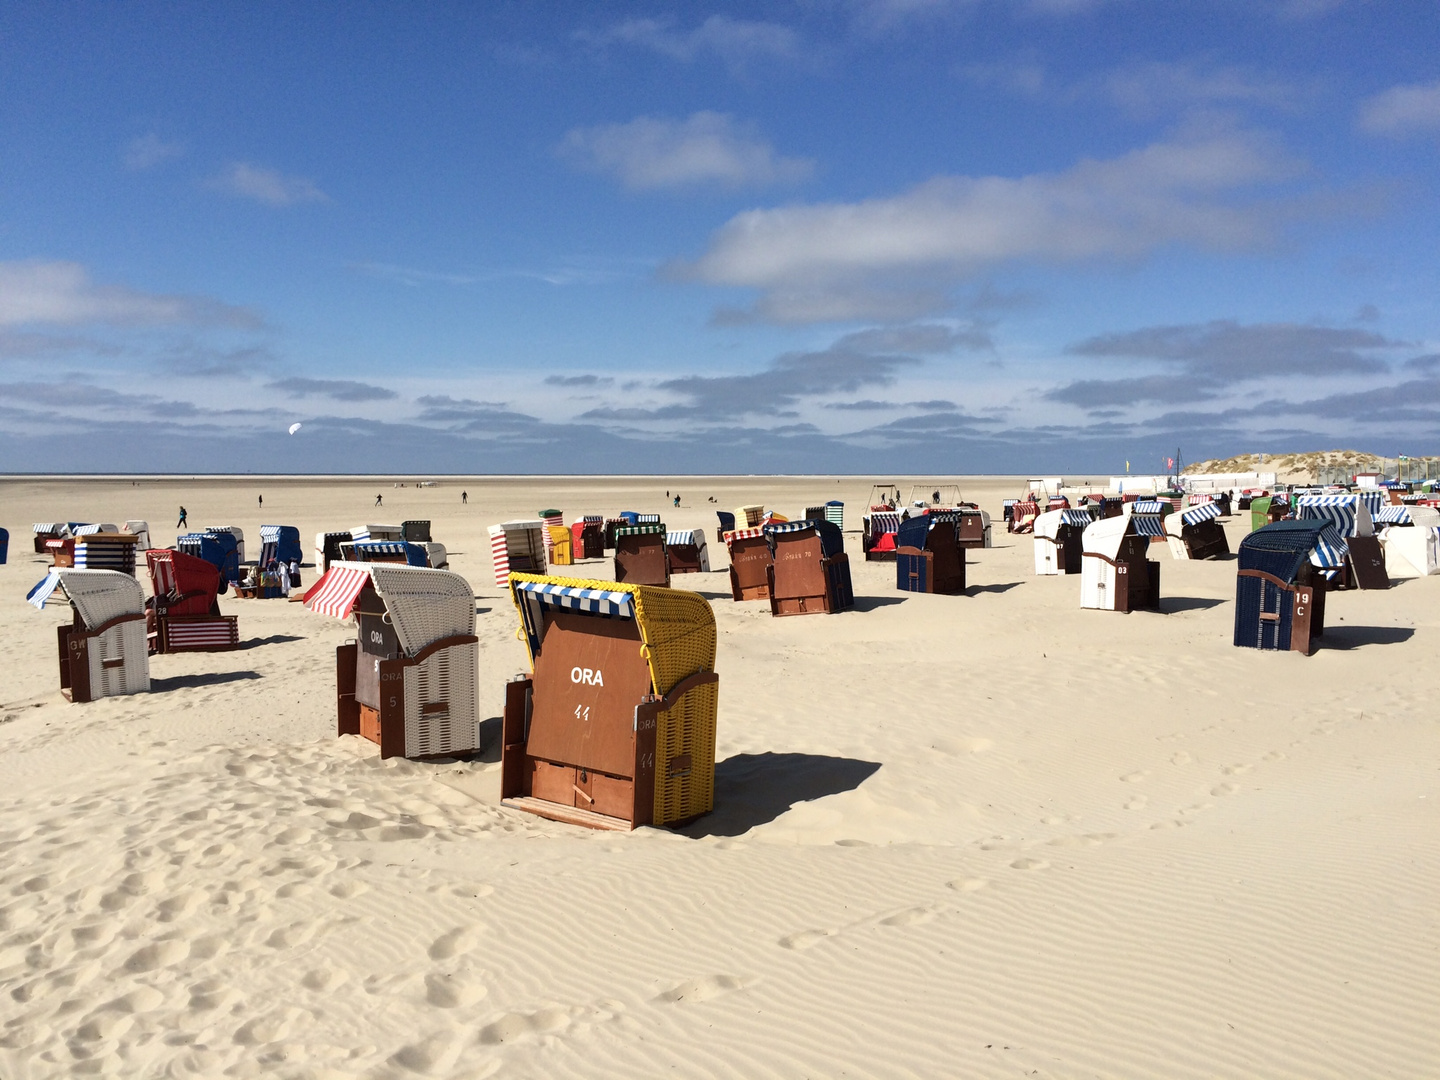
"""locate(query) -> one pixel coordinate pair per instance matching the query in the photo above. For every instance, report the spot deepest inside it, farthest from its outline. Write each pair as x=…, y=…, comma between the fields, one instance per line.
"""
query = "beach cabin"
x=749, y=553
x=1196, y=533
x=1058, y=541
x=614, y=727
x=587, y=538
x=1280, y=585
x=408, y=683
x=517, y=546
x=103, y=652
x=809, y=571
x=1115, y=572
x=687, y=552
x=184, y=614
x=415, y=532
x=877, y=537
x=1350, y=515
x=218, y=549
x=929, y=557
x=1408, y=535
x=640, y=554
x=1023, y=515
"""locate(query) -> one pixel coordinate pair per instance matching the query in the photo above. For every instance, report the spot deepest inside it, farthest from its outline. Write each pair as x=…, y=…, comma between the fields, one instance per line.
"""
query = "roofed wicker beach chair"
x=1058, y=541
x=385, y=551
x=1196, y=532
x=1409, y=537
x=218, y=549
x=517, y=546
x=1352, y=519
x=1115, y=572
x=750, y=560
x=928, y=555
x=587, y=538
x=640, y=554
x=1023, y=515
x=327, y=548
x=408, y=683
x=1280, y=584
x=687, y=552
x=809, y=570
x=103, y=652
x=614, y=727
x=184, y=614
x=415, y=531
x=877, y=537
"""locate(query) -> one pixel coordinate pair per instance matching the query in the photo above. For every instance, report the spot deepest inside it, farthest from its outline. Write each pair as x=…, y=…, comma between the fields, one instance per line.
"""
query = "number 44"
x=582, y=712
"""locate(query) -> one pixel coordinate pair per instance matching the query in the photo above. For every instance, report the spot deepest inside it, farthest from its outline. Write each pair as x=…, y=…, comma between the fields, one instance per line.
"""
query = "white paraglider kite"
x=294, y=428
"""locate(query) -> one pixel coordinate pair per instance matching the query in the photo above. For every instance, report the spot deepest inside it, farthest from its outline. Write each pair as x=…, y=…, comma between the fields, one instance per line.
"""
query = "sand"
x=990, y=835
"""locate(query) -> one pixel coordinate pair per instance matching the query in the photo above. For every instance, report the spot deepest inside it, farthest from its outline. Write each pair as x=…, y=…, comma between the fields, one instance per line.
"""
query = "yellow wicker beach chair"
x=615, y=726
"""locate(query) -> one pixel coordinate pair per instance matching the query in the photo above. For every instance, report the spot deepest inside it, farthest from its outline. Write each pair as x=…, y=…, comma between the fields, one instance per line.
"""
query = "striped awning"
x=270, y=532
x=41, y=592
x=90, y=530
x=334, y=594
x=1198, y=499
x=45, y=528
x=593, y=519
x=1330, y=550
x=1340, y=510
x=646, y=519
x=788, y=526
x=1196, y=514
x=742, y=534
x=591, y=601
x=1148, y=506
x=1148, y=524
x=413, y=554
x=884, y=521
x=645, y=529
x=685, y=536
x=1081, y=518
x=1393, y=515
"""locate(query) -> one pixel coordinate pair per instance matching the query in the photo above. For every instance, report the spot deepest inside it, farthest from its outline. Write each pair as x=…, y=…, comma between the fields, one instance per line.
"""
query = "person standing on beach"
x=261, y=500
x=464, y=498
x=379, y=500
x=183, y=518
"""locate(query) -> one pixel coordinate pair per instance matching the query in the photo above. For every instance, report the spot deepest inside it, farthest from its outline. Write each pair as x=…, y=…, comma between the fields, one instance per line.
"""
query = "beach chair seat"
x=614, y=726
x=1196, y=533
x=1059, y=543
x=184, y=614
x=587, y=539
x=750, y=560
x=517, y=546
x=1280, y=584
x=1116, y=573
x=559, y=550
x=686, y=551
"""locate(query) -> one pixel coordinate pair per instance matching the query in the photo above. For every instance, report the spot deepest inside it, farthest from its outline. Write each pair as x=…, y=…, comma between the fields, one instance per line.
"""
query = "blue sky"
x=882, y=235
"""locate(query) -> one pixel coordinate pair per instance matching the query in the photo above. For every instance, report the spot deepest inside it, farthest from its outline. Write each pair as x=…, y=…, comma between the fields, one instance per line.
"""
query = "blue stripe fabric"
x=1339, y=510
x=1374, y=500
x=1079, y=518
x=1196, y=514
x=1148, y=524
x=1148, y=506
x=41, y=592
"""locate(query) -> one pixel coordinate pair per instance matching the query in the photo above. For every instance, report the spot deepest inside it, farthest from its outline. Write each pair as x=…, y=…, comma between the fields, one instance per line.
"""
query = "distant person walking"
x=379, y=500
x=261, y=500
x=184, y=517
x=464, y=498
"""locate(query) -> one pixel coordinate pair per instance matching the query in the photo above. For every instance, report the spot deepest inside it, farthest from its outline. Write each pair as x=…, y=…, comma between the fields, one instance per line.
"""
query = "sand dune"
x=991, y=835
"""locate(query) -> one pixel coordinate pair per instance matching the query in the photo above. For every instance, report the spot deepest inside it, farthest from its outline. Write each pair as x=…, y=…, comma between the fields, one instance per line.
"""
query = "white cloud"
x=707, y=148
x=736, y=42
x=1147, y=88
x=267, y=185
x=62, y=294
x=1403, y=110
x=866, y=259
x=148, y=151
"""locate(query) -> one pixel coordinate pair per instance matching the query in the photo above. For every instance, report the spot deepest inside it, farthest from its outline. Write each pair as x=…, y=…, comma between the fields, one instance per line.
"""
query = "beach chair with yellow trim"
x=614, y=727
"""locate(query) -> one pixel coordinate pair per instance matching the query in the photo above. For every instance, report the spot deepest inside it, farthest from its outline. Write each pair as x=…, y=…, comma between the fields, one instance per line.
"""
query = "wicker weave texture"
x=127, y=643
x=425, y=605
x=102, y=595
x=446, y=676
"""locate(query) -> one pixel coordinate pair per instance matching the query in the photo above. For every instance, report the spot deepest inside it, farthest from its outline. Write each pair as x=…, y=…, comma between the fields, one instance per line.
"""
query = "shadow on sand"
x=752, y=789
x=209, y=678
x=1354, y=637
x=1172, y=605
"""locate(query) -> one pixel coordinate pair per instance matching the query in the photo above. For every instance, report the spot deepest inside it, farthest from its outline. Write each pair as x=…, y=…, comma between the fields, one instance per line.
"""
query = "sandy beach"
x=992, y=835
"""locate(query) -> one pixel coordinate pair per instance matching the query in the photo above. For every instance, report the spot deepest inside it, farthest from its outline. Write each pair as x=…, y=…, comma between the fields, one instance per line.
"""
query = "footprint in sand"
x=454, y=990
x=1136, y=802
x=431, y=1055
x=804, y=939
x=323, y=979
x=1235, y=770
x=909, y=917
x=454, y=942
x=967, y=884
x=516, y=1025
x=1181, y=757
x=1134, y=777
x=1028, y=863
x=701, y=989
x=158, y=955
x=1226, y=788
x=1274, y=755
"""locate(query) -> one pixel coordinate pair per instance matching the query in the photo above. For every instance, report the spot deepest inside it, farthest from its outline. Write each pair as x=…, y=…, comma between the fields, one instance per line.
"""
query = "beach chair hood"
x=423, y=605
